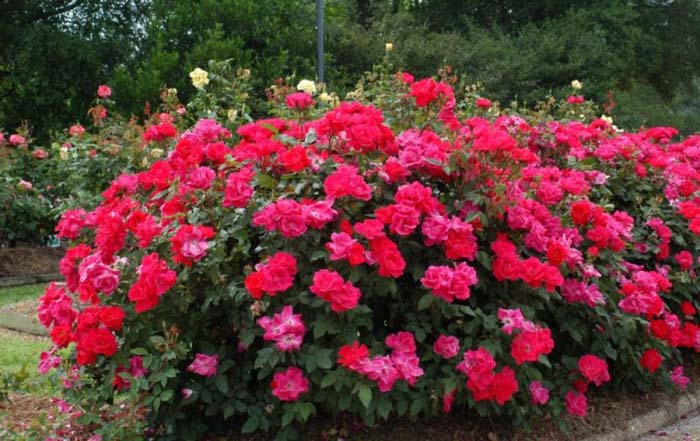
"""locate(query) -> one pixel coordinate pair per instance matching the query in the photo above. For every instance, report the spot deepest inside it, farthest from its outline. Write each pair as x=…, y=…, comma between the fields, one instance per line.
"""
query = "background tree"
x=642, y=54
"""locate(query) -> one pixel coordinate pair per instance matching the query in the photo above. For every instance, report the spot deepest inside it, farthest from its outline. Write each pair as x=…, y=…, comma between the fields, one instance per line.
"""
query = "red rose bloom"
x=594, y=369
x=651, y=360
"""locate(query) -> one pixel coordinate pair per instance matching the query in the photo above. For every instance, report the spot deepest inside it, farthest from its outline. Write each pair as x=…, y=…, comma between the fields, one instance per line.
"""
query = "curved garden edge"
x=668, y=410
x=11, y=282
x=21, y=323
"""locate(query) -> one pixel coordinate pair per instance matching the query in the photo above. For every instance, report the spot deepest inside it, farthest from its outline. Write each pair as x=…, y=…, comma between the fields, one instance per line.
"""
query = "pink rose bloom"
x=201, y=177
x=136, y=367
x=76, y=130
x=299, y=100
x=286, y=329
x=576, y=403
x=238, y=189
x=447, y=346
x=204, y=365
x=25, y=185
x=2, y=138
x=539, y=393
x=101, y=276
x=678, y=377
x=39, y=154
x=104, y=92
x=318, y=214
x=63, y=406
x=370, y=229
x=195, y=249
x=483, y=103
x=186, y=393
x=448, y=399
x=48, y=361
x=382, y=370
x=289, y=385
x=435, y=229
x=17, y=139
x=513, y=320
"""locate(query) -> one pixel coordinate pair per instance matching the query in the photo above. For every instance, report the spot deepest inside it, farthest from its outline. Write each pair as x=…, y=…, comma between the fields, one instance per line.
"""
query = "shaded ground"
x=24, y=261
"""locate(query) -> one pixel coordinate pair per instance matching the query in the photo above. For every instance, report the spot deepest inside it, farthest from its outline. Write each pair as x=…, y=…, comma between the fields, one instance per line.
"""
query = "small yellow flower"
x=244, y=74
x=172, y=91
x=232, y=114
x=307, y=86
x=576, y=84
x=200, y=78
x=157, y=153
x=63, y=153
x=607, y=119
x=389, y=47
x=144, y=162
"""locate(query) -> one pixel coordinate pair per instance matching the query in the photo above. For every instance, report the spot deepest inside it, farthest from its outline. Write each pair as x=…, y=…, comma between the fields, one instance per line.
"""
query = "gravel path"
x=687, y=428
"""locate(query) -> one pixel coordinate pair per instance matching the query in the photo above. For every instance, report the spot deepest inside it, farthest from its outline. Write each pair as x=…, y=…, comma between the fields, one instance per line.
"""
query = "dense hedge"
x=404, y=259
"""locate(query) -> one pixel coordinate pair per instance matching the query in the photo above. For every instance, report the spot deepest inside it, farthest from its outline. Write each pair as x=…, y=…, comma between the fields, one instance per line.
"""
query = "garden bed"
x=29, y=263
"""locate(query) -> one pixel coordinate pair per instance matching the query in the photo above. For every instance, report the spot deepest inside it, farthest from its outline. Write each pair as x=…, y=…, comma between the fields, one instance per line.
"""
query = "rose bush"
x=401, y=260
x=40, y=182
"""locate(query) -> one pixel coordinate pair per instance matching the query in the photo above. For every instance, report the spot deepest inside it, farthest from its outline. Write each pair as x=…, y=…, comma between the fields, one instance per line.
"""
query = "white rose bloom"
x=576, y=84
x=607, y=119
x=200, y=78
x=307, y=86
x=389, y=47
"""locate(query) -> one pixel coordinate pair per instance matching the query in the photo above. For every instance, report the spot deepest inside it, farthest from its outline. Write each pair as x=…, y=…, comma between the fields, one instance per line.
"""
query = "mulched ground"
x=607, y=410
x=22, y=410
x=25, y=261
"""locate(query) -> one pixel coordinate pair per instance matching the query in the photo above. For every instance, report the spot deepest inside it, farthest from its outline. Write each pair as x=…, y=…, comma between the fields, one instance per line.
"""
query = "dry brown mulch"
x=25, y=261
x=21, y=411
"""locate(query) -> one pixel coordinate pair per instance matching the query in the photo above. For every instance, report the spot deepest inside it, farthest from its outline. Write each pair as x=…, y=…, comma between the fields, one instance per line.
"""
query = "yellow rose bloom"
x=200, y=78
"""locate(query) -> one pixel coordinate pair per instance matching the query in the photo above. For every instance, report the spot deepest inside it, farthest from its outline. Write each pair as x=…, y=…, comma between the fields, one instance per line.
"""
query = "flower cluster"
x=385, y=370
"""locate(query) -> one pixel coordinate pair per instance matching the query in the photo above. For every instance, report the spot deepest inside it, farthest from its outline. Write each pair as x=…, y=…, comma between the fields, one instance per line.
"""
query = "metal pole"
x=319, y=38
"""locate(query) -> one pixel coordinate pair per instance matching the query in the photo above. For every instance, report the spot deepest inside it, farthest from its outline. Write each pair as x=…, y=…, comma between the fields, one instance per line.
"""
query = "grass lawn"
x=20, y=293
x=16, y=351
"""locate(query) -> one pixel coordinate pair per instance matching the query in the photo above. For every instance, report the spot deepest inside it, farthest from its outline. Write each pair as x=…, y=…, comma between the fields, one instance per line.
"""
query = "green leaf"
x=323, y=359
x=287, y=418
x=266, y=181
x=365, y=394
x=166, y=395
x=251, y=424
x=306, y=409
x=425, y=302
x=221, y=383
x=328, y=380
x=384, y=408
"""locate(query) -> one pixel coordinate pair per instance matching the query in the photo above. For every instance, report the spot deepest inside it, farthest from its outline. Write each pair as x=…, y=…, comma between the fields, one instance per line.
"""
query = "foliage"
x=434, y=251
x=517, y=50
